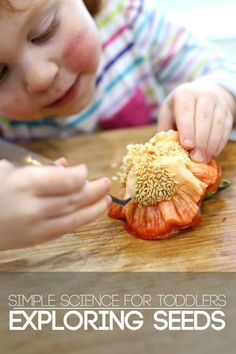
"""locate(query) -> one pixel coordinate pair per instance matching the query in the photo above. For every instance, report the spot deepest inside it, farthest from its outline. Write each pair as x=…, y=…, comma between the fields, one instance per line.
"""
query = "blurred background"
x=214, y=19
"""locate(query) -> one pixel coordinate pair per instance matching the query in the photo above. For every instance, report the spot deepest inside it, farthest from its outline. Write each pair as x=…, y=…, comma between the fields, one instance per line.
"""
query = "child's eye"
x=46, y=35
x=3, y=72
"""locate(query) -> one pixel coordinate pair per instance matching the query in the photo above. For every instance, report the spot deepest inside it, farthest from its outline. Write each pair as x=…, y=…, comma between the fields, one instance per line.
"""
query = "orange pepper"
x=182, y=209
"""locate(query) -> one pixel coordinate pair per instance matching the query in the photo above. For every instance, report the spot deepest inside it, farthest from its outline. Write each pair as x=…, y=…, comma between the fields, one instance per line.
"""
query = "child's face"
x=49, y=54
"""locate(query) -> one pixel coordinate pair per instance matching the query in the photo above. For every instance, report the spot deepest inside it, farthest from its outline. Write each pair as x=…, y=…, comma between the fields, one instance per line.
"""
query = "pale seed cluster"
x=153, y=182
x=173, y=149
x=135, y=154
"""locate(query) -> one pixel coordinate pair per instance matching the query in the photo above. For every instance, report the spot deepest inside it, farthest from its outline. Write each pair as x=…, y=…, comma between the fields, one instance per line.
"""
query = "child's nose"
x=39, y=77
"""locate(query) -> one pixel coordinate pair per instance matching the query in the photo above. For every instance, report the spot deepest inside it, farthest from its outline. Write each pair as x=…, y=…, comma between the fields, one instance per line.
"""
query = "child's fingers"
x=57, y=181
x=217, y=131
x=61, y=162
x=227, y=129
x=6, y=165
x=56, y=227
x=62, y=205
x=184, y=111
x=165, y=117
x=203, y=121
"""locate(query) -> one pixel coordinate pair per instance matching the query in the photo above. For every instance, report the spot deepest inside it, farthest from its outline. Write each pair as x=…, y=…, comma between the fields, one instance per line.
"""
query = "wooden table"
x=105, y=246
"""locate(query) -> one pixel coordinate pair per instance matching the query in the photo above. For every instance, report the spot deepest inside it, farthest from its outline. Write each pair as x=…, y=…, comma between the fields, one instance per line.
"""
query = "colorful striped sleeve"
x=175, y=54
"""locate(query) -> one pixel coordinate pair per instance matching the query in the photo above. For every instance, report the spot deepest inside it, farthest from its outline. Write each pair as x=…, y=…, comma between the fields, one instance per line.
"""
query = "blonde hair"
x=93, y=6
x=8, y=4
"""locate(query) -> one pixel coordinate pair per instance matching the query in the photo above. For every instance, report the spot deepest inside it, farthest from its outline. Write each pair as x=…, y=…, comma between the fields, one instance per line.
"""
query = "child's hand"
x=41, y=203
x=203, y=114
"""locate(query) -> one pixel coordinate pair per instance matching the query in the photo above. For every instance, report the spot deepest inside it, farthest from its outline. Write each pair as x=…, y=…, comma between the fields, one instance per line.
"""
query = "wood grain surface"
x=105, y=246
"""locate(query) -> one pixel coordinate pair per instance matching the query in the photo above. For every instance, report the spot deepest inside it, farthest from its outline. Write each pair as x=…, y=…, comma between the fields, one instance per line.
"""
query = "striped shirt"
x=144, y=57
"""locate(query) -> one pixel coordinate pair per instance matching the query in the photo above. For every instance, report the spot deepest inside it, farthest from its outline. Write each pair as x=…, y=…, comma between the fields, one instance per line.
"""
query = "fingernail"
x=62, y=162
x=108, y=200
x=82, y=168
x=106, y=181
x=188, y=143
x=197, y=156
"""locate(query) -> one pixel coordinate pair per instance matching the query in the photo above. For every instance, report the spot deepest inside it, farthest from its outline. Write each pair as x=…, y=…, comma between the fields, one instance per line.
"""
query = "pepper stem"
x=224, y=184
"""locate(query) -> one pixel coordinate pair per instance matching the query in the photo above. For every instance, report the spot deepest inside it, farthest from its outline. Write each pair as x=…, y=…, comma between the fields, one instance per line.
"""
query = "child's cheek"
x=17, y=108
x=81, y=54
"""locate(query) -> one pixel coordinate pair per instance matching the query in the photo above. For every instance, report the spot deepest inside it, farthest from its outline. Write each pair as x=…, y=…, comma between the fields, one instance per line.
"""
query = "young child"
x=68, y=66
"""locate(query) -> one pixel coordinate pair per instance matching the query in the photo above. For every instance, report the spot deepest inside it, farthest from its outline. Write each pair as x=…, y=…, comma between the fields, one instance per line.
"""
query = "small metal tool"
x=20, y=156
x=119, y=201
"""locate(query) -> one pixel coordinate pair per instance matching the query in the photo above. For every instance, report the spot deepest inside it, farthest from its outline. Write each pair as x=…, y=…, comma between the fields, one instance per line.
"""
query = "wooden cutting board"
x=105, y=246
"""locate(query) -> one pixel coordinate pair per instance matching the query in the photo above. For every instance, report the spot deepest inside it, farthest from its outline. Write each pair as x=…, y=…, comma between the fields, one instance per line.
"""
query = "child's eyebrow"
x=38, y=9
